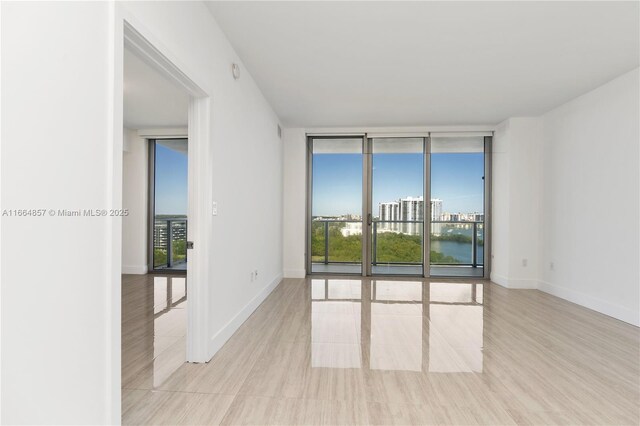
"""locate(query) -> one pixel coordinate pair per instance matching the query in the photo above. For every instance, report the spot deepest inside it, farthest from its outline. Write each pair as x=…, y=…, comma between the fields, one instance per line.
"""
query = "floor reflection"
x=456, y=321
x=335, y=324
x=154, y=325
x=384, y=325
x=397, y=325
x=374, y=351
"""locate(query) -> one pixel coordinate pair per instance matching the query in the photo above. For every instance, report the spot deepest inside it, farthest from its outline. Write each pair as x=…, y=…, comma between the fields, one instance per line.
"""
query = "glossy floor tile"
x=380, y=351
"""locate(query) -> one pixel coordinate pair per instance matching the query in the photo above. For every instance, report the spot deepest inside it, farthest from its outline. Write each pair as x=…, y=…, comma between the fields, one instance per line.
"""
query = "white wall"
x=590, y=204
x=244, y=159
x=516, y=174
x=55, y=287
x=57, y=319
x=500, y=204
x=294, y=207
x=566, y=189
x=135, y=198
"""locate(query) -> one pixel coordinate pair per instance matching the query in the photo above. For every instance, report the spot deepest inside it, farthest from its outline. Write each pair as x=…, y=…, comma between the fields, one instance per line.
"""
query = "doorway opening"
x=154, y=230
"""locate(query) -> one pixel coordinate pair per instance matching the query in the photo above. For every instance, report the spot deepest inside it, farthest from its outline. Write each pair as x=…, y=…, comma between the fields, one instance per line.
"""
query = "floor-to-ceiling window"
x=335, y=227
x=367, y=208
x=397, y=206
x=169, y=203
x=457, y=206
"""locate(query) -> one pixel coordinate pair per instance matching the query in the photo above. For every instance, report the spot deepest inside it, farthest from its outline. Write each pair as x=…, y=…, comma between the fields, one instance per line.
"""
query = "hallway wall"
x=60, y=335
x=516, y=177
x=244, y=163
x=56, y=335
x=294, y=206
x=135, y=198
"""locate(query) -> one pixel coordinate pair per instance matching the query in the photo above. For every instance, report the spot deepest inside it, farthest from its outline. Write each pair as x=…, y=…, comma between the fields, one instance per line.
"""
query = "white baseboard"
x=135, y=270
x=500, y=280
x=616, y=311
x=221, y=337
x=604, y=307
x=518, y=283
x=295, y=273
x=514, y=283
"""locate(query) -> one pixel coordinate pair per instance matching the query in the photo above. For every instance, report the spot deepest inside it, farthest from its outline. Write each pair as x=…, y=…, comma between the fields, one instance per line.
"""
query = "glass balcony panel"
x=318, y=241
x=179, y=241
x=345, y=241
x=397, y=242
x=165, y=229
x=451, y=243
x=480, y=244
x=160, y=243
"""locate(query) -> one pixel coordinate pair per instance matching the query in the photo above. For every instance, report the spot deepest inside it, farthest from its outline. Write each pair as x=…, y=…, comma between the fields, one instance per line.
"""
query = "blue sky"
x=171, y=181
x=337, y=181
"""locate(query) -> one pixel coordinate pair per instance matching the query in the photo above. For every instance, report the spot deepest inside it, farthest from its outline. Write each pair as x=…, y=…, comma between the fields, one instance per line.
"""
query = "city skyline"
x=457, y=179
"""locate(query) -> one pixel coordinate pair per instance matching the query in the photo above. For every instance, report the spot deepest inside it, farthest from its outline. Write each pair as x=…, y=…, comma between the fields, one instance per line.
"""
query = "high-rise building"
x=386, y=212
x=436, y=214
x=436, y=209
x=389, y=211
x=408, y=209
x=411, y=209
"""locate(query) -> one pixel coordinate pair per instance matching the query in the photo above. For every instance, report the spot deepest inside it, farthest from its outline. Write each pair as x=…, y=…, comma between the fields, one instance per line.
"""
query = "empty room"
x=310, y=212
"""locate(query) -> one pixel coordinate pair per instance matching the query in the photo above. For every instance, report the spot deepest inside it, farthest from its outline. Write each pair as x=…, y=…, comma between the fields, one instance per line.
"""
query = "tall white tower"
x=436, y=214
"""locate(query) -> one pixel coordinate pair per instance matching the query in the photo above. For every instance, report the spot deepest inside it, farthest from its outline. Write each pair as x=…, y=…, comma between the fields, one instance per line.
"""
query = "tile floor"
x=372, y=351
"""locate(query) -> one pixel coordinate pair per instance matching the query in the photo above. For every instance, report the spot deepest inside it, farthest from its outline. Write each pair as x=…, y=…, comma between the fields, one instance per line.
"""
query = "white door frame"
x=132, y=34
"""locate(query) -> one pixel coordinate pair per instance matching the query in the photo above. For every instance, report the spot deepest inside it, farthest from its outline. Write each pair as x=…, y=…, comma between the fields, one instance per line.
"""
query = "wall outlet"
x=524, y=262
x=214, y=208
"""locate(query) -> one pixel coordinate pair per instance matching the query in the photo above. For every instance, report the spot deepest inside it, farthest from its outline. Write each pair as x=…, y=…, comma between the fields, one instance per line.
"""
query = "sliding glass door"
x=458, y=206
x=367, y=209
x=335, y=226
x=397, y=206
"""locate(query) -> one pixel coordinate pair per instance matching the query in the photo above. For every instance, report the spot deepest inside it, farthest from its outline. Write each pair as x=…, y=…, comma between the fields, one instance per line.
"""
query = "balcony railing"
x=406, y=251
x=329, y=244
x=398, y=242
x=465, y=240
x=169, y=242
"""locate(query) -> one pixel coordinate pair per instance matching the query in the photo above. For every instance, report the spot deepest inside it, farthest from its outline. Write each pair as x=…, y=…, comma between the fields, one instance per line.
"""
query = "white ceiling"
x=427, y=63
x=150, y=100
